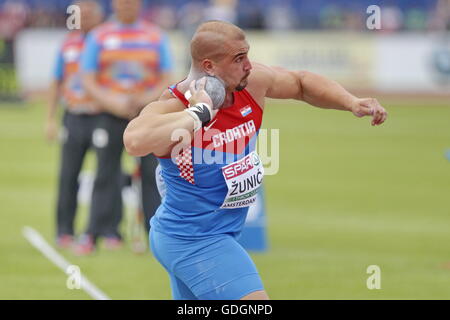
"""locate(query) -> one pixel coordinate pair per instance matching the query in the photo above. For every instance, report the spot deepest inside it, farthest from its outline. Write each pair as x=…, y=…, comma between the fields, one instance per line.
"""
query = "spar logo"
x=240, y=167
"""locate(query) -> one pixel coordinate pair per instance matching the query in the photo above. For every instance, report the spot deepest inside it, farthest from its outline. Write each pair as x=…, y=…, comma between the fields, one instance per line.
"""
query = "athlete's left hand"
x=369, y=107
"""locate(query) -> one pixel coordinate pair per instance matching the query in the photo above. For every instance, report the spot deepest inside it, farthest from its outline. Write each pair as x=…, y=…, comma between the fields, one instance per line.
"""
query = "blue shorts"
x=215, y=268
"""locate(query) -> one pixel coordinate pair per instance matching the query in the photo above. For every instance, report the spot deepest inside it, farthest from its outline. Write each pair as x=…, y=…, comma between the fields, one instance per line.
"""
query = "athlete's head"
x=127, y=11
x=91, y=14
x=219, y=49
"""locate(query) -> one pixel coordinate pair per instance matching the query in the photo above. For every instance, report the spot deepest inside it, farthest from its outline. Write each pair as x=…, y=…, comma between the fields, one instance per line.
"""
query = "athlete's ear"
x=208, y=67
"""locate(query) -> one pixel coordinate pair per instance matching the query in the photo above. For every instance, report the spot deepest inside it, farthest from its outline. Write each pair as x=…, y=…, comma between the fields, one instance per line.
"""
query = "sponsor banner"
x=417, y=63
x=372, y=60
x=345, y=57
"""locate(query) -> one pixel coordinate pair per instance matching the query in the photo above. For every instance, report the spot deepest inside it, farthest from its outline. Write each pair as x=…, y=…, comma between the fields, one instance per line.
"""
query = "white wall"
x=35, y=56
x=405, y=63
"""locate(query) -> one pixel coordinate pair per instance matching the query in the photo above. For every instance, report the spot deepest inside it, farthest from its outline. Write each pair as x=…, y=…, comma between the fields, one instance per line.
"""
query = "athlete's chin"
x=242, y=85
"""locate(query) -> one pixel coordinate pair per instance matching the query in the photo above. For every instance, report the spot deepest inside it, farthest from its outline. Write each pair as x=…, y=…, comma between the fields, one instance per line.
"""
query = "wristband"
x=200, y=113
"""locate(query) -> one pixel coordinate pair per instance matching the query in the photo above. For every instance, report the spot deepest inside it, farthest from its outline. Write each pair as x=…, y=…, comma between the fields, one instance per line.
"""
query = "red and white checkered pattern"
x=184, y=163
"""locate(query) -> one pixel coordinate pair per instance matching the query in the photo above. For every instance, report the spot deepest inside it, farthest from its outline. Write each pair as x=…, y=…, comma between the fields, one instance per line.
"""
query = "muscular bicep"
x=284, y=84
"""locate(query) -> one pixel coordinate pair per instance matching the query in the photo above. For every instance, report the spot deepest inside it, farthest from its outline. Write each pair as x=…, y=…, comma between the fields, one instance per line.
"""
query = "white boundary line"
x=39, y=243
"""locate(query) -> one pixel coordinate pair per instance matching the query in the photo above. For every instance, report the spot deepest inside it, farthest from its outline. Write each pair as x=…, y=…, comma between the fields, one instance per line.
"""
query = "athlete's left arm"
x=318, y=91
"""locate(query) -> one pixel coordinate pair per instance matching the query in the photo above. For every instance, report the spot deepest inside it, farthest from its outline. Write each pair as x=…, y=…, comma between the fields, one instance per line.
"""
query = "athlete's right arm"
x=152, y=131
x=164, y=123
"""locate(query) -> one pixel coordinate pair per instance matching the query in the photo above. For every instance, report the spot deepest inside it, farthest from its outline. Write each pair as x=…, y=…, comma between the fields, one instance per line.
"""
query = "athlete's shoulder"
x=261, y=72
x=259, y=81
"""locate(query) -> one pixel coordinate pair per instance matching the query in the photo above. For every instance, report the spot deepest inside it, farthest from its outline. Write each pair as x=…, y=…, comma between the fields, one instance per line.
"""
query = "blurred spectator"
x=391, y=19
x=79, y=120
x=224, y=10
x=164, y=16
x=441, y=16
x=331, y=17
x=415, y=19
x=250, y=15
x=256, y=14
x=193, y=13
x=13, y=17
x=189, y=17
x=279, y=16
x=354, y=21
x=126, y=64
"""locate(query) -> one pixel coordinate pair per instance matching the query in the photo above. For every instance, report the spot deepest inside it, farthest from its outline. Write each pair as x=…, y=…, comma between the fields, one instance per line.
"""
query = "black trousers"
x=77, y=140
x=106, y=206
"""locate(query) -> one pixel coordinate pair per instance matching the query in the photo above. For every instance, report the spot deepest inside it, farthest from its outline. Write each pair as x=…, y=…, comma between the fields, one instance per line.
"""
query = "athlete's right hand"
x=199, y=95
x=369, y=107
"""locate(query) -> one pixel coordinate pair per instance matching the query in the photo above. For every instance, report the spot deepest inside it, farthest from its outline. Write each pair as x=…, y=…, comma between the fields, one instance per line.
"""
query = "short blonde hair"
x=209, y=40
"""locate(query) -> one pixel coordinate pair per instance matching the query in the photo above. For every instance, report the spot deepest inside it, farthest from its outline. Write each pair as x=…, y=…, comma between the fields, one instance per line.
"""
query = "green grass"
x=347, y=196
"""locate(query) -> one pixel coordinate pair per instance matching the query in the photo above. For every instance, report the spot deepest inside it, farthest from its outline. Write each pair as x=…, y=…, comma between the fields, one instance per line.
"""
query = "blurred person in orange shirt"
x=79, y=119
x=441, y=19
x=126, y=64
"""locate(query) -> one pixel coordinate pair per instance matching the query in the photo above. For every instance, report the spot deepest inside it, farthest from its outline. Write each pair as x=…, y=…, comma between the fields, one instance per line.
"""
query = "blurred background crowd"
x=330, y=37
x=400, y=15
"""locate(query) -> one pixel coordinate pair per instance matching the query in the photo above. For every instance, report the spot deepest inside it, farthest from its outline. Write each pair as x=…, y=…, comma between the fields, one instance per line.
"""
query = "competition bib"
x=243, y=178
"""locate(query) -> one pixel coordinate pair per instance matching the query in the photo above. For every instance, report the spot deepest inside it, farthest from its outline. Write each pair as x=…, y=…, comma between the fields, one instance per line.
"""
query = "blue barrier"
x=254, y=235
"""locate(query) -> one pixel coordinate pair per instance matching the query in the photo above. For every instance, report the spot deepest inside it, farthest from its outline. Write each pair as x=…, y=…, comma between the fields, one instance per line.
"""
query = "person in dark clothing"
x=79, y=120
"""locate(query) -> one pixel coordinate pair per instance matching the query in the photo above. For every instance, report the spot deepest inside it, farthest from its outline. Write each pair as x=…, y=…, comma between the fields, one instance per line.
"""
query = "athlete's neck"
x=194, y=74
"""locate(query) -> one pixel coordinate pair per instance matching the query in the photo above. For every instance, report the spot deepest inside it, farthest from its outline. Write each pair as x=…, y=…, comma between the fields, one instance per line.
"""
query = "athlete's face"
x=127, y=11
x=235, y=67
